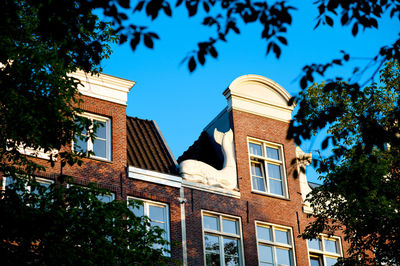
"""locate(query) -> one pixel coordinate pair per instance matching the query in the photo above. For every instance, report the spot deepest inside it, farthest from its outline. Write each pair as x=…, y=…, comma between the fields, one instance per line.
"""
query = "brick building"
x=233, y=199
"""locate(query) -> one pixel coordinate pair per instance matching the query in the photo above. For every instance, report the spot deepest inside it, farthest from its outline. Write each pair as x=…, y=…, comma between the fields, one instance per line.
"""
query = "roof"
x=147, y=148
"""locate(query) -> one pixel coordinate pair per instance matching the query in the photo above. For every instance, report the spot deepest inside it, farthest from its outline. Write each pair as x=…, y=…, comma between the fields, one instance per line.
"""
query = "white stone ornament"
x=200, y=172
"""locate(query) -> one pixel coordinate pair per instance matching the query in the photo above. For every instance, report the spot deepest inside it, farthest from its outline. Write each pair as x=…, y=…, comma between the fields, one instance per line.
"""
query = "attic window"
x=101, y=144
x=267, y=168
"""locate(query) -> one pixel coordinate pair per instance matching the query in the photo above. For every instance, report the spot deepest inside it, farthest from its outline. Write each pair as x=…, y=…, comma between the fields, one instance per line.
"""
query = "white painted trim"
x=211, y=189
x=154, y=177
x=324, y=253
x=38, y=153
x=104, y=87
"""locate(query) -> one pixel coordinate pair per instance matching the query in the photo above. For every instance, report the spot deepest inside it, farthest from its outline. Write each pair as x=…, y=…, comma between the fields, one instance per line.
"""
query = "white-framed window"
x=267, y=168
x=101, y=144
x=274, y=245
x=324, y=250
x=222, y=237
x=157, y=212
x=7, y=181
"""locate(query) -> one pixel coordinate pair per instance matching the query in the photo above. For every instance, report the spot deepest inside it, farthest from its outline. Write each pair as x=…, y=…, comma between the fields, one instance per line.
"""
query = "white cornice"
x=154, y=177
x=104, y=87
x=259, y=95
x=211, y=189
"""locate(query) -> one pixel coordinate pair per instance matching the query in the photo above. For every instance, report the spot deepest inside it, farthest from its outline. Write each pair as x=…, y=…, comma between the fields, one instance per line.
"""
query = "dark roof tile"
x=147, y=148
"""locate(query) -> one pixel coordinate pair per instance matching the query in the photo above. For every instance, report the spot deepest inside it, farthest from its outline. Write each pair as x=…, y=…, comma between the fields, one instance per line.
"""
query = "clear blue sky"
x=183, y=103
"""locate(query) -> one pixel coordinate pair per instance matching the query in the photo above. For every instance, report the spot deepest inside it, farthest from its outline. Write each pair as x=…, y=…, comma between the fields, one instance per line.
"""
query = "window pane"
x=211, y=222
x=101, y=129
x=330, y=246
x=275, y=187
x=265, y=254
x=161, y=225
x=138, y=212
x=256, y=169
x=156, y=213
x=105, y=198
x=212, y=243
x=282, y=236
x=274, y=171
x=229, y=226
x=255, y=149
x=264, y=233
x=314, y=244
x=330, y=261
x=212, y=259
x=100, y=148
x=315, y=261
x=259, y=183
x=80, y=145
x=283, y=256
x=231, y=251
x=272, y=153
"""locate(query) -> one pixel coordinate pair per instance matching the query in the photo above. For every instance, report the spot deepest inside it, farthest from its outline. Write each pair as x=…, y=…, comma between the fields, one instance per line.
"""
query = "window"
x=267, y=168
x=222, y=240
x=7, y=181
x=324, y=251
x=157, y=212
x=101, y=144
x=275, y=245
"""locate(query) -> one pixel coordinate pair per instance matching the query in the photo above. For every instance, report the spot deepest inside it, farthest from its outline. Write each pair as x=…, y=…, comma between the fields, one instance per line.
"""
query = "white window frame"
x=146, y=204
x=275, y=244
x=108, y=139
x=323, y=254
x=27, y=187
x=264, y=160
x=220, y=234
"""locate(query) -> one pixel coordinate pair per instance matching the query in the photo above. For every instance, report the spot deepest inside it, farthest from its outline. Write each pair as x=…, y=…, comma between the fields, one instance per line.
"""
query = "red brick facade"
x=249, y=207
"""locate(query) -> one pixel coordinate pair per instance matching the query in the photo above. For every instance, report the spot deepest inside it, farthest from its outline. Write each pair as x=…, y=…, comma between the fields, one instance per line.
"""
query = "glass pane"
x=156, y=213
x=231, y=251
x=274, y=171
x=282, y=236
x=138, y=212
x=80, y=145
x=283, y=256
x=212, y=259
x=211, y=222
x=161, y=225
x=275, y=187
x=229, y=226
x=256, y=169
x=272, y=153
x=100, y=148
x=265, y=254
x=330, y=261
x=255, y=149
x=330, y=246
x=315, y=261
x=314, y=244
x=264, y=233
x=101, y=129
x=211, y=243
x=105, y=198
x=258, y=183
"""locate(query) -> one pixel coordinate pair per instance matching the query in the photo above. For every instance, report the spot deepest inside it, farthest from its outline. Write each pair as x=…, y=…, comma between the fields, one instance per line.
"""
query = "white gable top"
x=259, y=95
x=104, y=87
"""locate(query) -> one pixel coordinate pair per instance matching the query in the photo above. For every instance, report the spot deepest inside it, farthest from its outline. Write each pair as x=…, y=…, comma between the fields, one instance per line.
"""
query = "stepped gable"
x=146, y=147
x=205, y=150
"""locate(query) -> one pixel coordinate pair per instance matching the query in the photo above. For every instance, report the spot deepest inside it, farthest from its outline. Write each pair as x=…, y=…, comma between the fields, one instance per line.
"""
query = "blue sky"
x=183, y=103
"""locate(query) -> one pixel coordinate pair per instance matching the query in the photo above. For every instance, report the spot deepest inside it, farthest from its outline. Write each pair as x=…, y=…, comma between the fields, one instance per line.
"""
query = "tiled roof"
x=147, y=148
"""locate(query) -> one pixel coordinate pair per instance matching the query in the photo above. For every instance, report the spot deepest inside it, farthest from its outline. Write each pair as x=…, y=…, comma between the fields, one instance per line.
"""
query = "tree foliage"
x=69, y=225
x=361, y=181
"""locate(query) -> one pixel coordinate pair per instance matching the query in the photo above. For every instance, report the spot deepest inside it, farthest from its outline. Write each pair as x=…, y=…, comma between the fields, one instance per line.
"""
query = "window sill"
x=104, y=160
x=270, y=195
